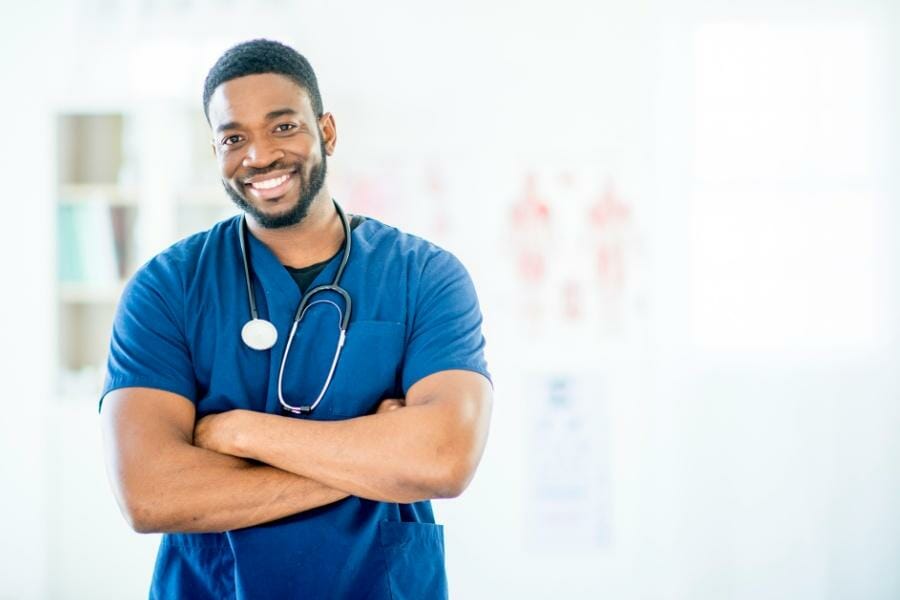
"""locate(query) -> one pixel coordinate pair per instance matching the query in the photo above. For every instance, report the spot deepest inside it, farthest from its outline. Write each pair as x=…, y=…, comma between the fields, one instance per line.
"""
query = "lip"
x=274, y=192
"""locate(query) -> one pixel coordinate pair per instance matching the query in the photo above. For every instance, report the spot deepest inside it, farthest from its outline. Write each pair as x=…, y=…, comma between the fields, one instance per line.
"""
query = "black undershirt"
x=305, y=275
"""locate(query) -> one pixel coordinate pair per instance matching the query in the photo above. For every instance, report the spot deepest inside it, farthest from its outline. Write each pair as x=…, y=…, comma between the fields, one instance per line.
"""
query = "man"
x=274, y=471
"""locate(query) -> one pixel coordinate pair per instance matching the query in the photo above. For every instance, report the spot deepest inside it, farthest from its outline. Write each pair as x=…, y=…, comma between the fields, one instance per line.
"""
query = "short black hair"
x=262, y=56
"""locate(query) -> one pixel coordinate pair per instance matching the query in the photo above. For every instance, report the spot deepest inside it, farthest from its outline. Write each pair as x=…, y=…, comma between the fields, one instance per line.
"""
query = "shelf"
x=108, y=193
x=128, y=184
x=91, y=149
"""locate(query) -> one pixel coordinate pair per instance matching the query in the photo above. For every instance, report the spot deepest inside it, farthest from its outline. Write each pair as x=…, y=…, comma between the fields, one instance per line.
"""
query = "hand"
x=218, y=432
x=388, y=405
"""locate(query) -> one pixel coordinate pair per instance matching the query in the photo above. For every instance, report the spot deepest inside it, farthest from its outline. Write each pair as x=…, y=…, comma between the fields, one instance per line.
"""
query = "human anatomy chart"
x=574, y=247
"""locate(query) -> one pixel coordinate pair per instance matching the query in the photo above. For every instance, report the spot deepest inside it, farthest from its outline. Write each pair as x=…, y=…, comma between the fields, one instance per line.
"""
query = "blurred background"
x=681, y=218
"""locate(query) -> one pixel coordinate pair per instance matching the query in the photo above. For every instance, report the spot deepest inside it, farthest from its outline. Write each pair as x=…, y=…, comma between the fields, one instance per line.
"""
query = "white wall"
x=736, y=470
x=28, y=305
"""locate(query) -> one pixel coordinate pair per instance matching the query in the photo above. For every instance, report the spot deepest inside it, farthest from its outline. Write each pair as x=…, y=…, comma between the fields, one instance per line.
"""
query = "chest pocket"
x=368, y=370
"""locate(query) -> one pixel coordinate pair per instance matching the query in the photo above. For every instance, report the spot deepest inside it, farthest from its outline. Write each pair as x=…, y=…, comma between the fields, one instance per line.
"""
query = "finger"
x=388, y=404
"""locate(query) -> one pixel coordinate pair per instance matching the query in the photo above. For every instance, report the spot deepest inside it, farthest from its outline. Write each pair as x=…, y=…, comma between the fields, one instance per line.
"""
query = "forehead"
x=247, y=100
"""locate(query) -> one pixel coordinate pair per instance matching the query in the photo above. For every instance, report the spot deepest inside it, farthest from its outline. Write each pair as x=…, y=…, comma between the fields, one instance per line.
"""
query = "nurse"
x=304, y=473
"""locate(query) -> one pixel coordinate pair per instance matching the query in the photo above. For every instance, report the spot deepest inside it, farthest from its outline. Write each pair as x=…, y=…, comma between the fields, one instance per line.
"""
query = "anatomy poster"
x=574, y=250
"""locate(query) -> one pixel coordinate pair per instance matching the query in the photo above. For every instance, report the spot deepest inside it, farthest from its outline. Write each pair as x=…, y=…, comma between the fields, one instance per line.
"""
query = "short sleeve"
x=148, y=347
x=446, y=323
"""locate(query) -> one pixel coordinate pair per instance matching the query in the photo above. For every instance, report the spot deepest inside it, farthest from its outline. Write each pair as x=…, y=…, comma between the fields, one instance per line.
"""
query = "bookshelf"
x=129, y=183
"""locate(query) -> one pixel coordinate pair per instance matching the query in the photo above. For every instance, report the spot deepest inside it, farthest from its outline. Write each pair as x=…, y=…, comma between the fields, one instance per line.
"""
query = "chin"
x=275, y=209
x=275, y=218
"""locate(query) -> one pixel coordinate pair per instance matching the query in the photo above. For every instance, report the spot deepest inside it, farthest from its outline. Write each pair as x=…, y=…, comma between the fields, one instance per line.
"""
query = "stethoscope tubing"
x=305, y=304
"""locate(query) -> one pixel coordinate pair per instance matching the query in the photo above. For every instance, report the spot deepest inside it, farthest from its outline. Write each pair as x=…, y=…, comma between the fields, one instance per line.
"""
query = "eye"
x=231, y=140
x=283, y=127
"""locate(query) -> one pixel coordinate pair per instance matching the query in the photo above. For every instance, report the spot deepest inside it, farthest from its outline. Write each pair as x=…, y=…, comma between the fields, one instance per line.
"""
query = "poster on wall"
x=568, y=481
x=575, y=253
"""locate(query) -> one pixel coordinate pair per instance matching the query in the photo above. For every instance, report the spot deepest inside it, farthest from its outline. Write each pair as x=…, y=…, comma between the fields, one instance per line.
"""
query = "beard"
x=309, y=188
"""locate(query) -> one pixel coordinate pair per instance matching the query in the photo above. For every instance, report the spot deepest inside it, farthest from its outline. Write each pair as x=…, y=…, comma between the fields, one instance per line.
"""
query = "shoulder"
x=415, y=253
x=424, y=277
x=178, y=265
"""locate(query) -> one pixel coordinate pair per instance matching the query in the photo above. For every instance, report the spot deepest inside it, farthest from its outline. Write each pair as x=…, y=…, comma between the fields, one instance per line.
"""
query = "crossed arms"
x=242, y=468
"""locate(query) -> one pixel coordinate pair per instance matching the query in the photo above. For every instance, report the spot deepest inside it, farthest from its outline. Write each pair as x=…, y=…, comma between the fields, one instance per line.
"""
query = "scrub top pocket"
x=368, y=370
x=414, y=553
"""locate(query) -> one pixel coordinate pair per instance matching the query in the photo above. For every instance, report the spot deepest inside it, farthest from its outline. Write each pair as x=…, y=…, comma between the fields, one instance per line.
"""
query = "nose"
x=261, y=154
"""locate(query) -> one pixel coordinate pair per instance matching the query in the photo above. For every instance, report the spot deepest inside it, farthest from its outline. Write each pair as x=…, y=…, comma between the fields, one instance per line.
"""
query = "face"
x=270, y=147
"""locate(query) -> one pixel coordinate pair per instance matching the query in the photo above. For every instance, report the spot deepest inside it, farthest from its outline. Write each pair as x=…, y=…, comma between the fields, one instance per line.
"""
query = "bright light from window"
x=787, y=250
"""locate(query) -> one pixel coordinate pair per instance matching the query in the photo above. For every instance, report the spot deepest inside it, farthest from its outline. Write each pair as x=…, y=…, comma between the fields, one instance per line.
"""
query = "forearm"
x=411, y=454
x=196, y=490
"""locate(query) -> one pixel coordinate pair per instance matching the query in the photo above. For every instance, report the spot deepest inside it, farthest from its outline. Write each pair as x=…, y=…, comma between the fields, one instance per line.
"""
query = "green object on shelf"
x=68, y=250
x=86, y=249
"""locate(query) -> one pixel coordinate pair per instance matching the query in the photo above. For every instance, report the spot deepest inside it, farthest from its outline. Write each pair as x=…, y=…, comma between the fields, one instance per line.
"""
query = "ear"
x=212, y=146
x=328, y=130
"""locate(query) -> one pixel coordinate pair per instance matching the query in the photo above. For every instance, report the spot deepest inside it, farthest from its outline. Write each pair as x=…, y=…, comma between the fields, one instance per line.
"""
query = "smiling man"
x=287, y=390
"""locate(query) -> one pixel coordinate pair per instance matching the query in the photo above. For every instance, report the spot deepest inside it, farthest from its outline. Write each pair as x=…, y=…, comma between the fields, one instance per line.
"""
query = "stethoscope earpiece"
x=259, y=334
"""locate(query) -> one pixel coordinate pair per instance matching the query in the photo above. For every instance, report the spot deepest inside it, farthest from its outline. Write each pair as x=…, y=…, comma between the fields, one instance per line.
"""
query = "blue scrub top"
x=177, y=329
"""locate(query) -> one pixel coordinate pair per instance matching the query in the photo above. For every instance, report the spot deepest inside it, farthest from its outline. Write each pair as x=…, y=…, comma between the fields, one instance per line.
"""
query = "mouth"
x=270, y=186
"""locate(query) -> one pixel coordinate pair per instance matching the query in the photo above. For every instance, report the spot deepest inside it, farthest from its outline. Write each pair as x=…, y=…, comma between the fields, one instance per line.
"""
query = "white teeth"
x=268, y=184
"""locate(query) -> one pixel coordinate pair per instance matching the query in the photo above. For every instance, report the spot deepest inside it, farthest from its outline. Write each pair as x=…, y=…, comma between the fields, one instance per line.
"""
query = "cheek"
x=304, y=146
x=229, y=163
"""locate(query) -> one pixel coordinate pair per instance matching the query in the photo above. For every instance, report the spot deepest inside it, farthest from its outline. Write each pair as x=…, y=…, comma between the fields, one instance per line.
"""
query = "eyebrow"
x=279, y=112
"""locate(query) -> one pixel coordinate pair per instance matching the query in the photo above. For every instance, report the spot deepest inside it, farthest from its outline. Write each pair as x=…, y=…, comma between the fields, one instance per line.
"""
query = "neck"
x=316, y=238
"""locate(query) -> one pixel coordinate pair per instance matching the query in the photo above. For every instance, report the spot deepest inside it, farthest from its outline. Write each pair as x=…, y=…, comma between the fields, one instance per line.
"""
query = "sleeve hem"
x=166, y=386
x=408, y=382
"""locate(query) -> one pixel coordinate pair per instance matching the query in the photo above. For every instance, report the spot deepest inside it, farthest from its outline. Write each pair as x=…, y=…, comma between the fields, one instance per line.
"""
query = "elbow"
x=143, y=526
x=137, y=520
x=452, y=489
x=141, y=511
x=461, y=451
x=454, y=479
x=140, y=517
x=456, y=469
x=435, y=479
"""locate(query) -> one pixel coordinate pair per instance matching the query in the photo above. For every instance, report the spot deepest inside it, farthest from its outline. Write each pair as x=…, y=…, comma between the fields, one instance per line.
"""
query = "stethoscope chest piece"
x=259, y=334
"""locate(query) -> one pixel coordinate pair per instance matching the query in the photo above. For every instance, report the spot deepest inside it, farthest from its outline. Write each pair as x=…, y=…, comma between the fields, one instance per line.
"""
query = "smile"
x=268, y=184
x=271, y=187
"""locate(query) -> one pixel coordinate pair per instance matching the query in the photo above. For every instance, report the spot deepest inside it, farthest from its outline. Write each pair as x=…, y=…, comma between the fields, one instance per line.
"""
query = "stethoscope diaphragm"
x=259, y=334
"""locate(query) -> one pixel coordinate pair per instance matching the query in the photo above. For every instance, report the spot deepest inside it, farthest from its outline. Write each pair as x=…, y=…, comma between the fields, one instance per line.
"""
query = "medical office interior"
x=681, y=219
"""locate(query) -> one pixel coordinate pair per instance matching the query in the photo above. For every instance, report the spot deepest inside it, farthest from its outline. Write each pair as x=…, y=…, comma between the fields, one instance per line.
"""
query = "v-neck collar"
x=277, y=283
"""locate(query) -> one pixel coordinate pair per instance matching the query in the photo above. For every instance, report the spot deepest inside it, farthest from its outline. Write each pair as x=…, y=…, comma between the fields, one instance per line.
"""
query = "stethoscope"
x=261, y=334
